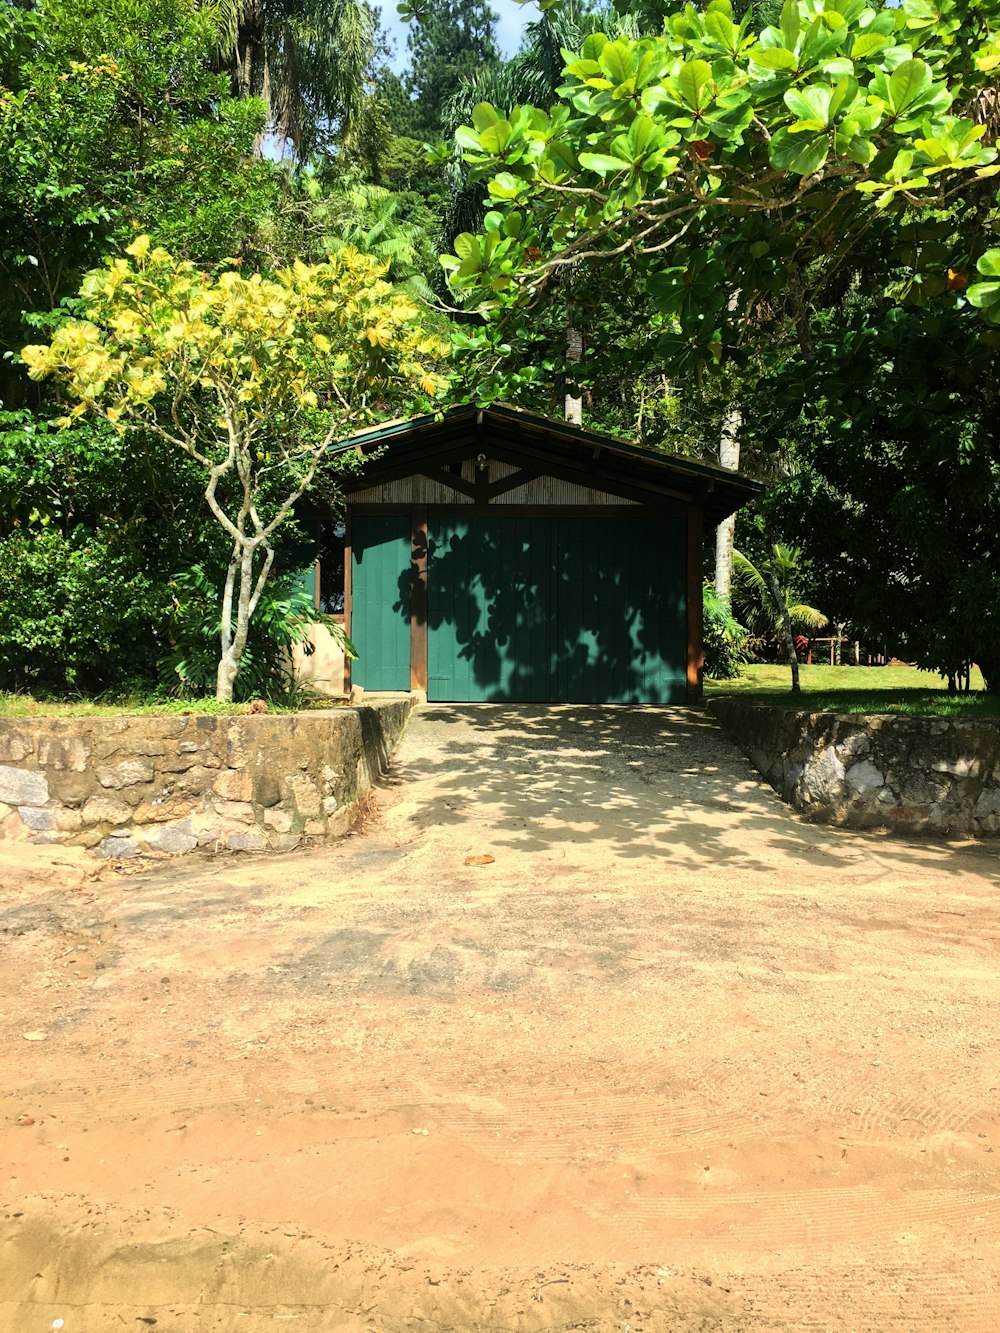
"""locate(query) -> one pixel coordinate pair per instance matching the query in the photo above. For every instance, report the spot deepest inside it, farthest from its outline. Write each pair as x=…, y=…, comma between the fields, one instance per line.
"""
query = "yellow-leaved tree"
x=253, y=377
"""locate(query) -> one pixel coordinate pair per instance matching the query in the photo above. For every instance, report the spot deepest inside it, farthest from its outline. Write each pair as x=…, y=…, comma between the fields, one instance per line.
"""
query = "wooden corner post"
x=418, y=600
x=348, y=569
x=695, y=643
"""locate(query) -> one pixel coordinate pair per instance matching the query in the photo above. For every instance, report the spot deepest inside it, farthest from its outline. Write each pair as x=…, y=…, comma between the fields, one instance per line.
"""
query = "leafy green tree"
x=252, y=379
x=452, y=40
x=896, y=493
x=146, y=135
x=723, y=165
x=92, y=536
x=348, y=213
x=733, y=170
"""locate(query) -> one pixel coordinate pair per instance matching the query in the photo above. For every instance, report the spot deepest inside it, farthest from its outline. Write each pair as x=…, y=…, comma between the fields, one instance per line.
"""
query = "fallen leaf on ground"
x=34, y=1036
x=484, y=860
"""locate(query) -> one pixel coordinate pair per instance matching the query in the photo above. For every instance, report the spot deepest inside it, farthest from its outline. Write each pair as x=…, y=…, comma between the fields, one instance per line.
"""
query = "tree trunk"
x=248, y=592
x=725, y=533
x=574, y=400
x=786, y=624
x=225, y=678
x=234, y=641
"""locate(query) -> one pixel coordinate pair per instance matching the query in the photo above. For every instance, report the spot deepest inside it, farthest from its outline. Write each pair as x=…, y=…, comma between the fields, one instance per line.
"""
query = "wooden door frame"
x=418, y=599
x=695, y=631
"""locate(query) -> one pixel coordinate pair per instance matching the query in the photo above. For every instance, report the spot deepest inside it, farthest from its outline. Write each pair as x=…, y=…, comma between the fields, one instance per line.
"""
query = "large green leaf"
x=721, y=28
x=483, y=115
x=985, y=296
x=693, y=84
x=593, y=45
x=790, y=24
x=775, y=58
x=643, y=137
x=506, y=186
x=908, y=84
x=811, y=105
x=867, y=44
x=603, y=163
x=616, y=61
x=801, y=154
x=495, y=138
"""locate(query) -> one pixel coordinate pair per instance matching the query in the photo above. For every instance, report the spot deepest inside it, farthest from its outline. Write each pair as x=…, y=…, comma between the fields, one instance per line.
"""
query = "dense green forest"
x=764, y=234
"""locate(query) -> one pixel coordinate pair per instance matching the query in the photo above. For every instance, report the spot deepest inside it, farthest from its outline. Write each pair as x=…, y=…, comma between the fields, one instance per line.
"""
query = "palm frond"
x=308, y=59
x=746, y=573
x=807, y=617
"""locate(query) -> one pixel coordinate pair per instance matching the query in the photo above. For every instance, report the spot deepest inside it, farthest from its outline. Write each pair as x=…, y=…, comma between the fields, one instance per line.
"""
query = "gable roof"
x=593, y=458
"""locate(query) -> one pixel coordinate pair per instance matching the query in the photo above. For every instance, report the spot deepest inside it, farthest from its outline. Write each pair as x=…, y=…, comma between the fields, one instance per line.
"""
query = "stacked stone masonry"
x=124, y=786
x=908, y=774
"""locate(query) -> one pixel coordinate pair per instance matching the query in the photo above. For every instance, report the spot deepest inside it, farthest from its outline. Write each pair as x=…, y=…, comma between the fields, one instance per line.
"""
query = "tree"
x=252, y=378
x=734, y=175
x=772, y=599
x=309, y=60
x=723, y=164
x=111, y=116
x=896, y=493
x=451, y=42
x=346, y=213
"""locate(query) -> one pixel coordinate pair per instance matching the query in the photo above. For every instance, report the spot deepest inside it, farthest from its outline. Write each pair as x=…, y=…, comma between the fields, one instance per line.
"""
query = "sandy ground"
x=673, y=1061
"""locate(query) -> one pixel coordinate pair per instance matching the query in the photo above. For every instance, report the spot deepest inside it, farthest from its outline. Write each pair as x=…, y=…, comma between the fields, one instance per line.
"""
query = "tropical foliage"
x=777, y=220
x=720, y=164
x=772, y=605
x=308, y=60
x=253, y=379
x=725, y=639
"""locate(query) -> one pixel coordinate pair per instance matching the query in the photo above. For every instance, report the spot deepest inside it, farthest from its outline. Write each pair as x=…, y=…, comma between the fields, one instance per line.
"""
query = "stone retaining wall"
x=130, y=785
x=910, y=774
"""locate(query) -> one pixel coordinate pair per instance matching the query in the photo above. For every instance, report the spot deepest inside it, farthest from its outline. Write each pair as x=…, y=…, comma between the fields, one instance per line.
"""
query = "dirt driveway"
x=673, y=1061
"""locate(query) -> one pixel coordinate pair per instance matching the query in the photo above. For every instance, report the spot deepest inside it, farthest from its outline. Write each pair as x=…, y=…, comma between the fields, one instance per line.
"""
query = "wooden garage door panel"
x=556, y=610
x=380, y=601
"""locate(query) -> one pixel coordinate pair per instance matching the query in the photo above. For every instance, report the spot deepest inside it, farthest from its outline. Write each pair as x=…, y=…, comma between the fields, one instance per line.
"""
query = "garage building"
x=499, y=555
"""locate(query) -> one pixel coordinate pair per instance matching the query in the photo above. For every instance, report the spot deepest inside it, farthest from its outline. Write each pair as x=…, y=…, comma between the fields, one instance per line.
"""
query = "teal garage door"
x=380, y=601
x=556, y=610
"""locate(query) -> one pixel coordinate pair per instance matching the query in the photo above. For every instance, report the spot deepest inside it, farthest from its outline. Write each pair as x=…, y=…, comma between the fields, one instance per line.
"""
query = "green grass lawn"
x=850, y=689
x=24, y=705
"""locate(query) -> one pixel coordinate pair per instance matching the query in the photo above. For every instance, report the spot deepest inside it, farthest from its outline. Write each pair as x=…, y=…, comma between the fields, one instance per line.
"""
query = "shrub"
x=726, y=641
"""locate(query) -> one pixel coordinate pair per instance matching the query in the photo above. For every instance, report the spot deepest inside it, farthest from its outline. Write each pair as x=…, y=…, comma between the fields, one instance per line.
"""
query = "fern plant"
x=283, y=619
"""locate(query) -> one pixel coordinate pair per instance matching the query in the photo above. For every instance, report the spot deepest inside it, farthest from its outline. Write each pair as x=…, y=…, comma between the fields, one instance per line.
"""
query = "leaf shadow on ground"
x=662, y=784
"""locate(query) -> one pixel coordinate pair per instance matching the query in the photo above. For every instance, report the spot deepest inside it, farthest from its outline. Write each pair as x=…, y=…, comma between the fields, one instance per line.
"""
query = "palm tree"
x=532, y=76
x=308, y=60
x=772, y=605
